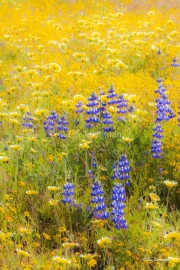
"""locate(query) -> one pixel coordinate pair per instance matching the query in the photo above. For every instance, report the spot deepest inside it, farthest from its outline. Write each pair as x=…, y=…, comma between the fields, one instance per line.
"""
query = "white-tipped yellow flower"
x=4, y=159
x=172, y=236
x=53, y=202
x=170, y=184
x=70, y=245
x=151, y=206
x=55, y=67
x=61, y=260
x=16, y=147
x=53, y=188
x=104, y=242
x=127, y=139
x=154, y=197
x=32, y=192
x=22, y=253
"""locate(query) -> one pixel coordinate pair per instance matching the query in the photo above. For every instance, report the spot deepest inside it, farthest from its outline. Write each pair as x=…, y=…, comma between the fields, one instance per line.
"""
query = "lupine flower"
x=97, y=193
x=93, y=111
x=62, y=127
x=164, y=113
x=156, y=148
x=179, y=114
x=118, y=198
x=158, y=132
x=93, y=160
x=107, y=120
x=79, y=108
x=91, y=175
x=28, y=121
x=122, y=107
x=174, y=62
x=49, y=124
x=122, y=169
x=112, y=96
x=68, y=194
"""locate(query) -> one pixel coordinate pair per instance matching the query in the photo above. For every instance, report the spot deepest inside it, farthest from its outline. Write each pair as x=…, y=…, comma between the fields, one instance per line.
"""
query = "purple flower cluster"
x=122, y=170
x=55, y=124
x=163, y=113
x=122, y=107
x=79, y=108
x=107, y=121
x=28, y=121
x=174, y=62
x=112, y=96
x=68, y=194
x=118, y=198
x=93, y=111
x=97, y=195
x=50, y=123
x=62, y=126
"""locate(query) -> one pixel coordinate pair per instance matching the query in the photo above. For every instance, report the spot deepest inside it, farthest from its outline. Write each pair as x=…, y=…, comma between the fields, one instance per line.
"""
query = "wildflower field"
x=89, y=134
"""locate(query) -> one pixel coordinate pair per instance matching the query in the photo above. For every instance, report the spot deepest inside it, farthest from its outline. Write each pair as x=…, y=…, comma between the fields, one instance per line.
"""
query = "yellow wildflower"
x=170, y=184
x=53, y=202
x=16, y=147
x=62, y=229
x=154, y=197
x=55, y=67
x=22, y=253
x=46, y=236
x=61, y=260
x=103, y=242
x=32, y=192
x=151, y=206
x=172, y=235
x=92, y=262
x=53, y=188
x=70, y=245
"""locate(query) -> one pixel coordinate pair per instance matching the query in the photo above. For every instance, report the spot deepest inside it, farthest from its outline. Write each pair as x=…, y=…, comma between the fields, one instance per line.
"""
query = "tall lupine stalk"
x=121, y=173
x=163, y=113
x=93, y=111
x=50, y=123
x=97, y=199
x=68, y=194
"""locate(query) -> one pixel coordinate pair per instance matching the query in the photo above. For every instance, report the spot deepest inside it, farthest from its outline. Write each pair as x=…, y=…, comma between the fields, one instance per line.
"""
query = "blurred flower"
x=172, y=236
x=154, y=197
x=99, y=211
x=53, y=188
x=16, y=147
x=53, y=202
x=32, y=192
x=104, y=242
x=55, y=67
x=122, y=169
x=70, y=245
x=22, y=253
x=118, y=199
x=61, y=260
x=151, y=206
x=170, y=184
x=68, y=193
